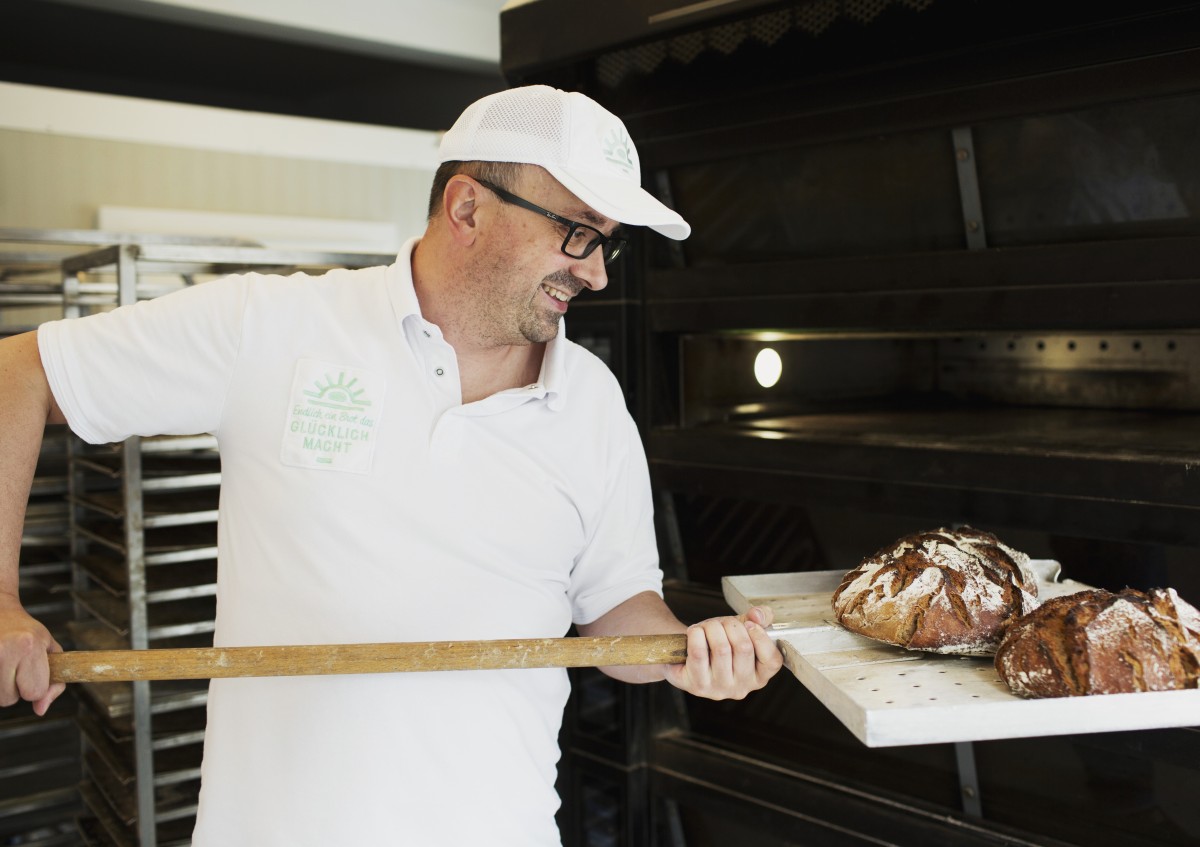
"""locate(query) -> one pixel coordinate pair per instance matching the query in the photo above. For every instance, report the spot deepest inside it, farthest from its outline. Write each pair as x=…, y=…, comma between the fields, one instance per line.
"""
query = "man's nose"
x=592, y=270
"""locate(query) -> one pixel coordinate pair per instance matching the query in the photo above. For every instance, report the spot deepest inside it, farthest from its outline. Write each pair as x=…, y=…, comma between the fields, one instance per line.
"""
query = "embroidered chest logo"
x=332, y=418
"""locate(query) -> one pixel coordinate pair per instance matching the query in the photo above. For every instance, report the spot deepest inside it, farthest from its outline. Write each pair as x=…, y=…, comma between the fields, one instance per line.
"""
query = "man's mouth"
x=556, y=293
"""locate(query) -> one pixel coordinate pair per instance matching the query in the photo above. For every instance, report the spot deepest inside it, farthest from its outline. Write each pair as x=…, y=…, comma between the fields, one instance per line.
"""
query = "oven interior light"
x=767, y=367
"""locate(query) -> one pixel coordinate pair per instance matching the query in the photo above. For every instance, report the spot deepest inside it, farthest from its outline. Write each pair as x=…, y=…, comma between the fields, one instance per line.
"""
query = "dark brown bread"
x=946, y=591
x=1098, y=642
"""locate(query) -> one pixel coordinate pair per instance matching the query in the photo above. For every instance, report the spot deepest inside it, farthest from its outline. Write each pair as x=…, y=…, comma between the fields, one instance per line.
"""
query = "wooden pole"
x=322, y=659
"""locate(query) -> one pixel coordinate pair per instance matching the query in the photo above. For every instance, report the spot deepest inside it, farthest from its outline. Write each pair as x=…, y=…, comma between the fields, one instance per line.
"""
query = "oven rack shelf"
x=174, y=470
x=177, y=754
x=172, y=730
x=1127, y=285
x=164, y=583
x=114, y=700
x=188, y=542
x=45, y=814
x=41, y=757
x=1098, y=471
x=104, y=827
x=165, y=620
x=176, y=508
x=135, y=271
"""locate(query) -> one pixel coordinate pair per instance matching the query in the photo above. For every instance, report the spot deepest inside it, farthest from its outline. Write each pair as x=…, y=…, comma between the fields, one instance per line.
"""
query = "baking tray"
x=888, y=696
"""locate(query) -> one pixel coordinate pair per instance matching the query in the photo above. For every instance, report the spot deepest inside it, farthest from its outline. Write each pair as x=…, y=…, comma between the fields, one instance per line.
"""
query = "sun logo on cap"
x=618, y=149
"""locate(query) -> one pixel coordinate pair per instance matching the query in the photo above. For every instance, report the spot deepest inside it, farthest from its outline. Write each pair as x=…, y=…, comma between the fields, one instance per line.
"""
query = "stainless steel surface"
x=219, y=257
x=92, y=237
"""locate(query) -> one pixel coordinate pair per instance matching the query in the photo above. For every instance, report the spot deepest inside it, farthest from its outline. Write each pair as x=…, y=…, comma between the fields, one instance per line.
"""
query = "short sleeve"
x=158, y=367
x=620, y=559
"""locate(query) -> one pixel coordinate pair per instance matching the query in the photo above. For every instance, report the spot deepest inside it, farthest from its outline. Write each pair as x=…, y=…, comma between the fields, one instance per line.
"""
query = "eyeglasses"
x=581, y=240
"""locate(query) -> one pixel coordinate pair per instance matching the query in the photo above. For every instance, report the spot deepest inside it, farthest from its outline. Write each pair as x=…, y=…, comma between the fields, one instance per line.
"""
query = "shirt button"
x=440, y=372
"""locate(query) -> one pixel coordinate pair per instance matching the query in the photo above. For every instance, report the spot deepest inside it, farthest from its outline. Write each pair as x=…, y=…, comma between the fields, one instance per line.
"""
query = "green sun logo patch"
x=332, y=417
x=338, y=395
x=618, y=149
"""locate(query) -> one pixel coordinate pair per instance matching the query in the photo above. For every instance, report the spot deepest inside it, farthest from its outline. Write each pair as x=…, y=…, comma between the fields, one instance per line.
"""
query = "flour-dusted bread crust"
x=946, y=591
x=1098, y=642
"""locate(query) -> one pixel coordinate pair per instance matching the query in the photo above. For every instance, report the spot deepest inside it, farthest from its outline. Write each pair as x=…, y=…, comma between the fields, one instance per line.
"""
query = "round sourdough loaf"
x=1098, y=642
x=946, y=591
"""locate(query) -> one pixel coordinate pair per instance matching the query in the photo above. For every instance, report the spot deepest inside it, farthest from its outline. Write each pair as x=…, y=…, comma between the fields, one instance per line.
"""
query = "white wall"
x=453, y=33
x=64, y=155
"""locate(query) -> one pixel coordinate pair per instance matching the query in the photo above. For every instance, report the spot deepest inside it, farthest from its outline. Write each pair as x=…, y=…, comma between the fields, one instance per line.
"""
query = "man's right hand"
x=24, y=669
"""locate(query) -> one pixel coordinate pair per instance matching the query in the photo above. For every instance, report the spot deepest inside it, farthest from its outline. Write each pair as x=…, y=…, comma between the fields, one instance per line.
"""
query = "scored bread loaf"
x=945, y=591
x=1098, y=642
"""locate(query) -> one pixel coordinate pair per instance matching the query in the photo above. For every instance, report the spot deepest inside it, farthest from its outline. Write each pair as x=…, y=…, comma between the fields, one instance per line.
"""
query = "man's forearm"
x=26, y=406
x=642, y=614
x=727, y=657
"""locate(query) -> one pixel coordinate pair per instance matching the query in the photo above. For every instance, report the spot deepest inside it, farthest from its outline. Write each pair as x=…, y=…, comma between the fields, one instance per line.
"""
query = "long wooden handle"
x=322, y=659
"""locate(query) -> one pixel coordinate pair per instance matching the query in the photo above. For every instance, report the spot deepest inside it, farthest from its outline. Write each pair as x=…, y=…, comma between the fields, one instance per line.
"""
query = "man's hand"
x=728, y=657
x=24, y=670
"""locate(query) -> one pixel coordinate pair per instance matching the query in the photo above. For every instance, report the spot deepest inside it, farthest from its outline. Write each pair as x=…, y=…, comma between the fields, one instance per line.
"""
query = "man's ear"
x=460, y=208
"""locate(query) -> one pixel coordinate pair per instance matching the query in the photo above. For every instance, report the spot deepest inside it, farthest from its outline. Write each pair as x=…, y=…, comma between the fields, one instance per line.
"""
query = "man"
x=409, y=453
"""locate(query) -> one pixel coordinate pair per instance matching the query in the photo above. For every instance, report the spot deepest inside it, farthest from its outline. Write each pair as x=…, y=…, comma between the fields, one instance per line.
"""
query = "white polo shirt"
x=361, y=501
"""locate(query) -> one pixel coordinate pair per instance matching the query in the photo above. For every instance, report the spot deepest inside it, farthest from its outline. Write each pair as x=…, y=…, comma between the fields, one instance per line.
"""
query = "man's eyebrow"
x=586, y=215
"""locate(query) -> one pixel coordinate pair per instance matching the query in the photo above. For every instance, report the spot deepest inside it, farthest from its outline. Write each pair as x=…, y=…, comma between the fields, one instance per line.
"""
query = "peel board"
x=888, y=696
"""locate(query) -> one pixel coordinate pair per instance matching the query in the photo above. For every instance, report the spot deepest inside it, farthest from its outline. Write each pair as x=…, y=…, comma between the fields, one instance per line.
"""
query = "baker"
x=491, y=484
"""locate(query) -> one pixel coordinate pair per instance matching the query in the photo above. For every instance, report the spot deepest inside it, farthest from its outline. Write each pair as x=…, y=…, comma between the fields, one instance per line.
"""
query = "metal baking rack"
x=143, y=548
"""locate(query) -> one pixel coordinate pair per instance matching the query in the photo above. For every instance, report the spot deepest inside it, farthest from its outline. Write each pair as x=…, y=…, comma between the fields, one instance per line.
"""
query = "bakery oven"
x=944, y=270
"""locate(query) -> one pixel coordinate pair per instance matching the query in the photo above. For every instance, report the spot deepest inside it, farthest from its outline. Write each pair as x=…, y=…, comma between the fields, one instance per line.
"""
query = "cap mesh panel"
x=534, y=126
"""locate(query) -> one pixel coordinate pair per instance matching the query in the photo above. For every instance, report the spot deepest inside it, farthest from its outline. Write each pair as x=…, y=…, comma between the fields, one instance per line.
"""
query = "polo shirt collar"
x=404, y=293
x=553, y=377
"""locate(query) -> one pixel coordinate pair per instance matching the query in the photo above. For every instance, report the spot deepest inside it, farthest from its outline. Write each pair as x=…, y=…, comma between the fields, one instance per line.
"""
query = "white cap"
x=581, y=144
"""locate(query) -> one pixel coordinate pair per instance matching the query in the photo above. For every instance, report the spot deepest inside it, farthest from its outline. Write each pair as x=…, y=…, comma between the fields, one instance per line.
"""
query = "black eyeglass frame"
x=599, y=240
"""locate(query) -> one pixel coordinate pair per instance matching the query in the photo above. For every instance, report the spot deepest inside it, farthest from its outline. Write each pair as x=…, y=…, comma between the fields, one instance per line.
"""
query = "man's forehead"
x=569, y=205
x=577, y=210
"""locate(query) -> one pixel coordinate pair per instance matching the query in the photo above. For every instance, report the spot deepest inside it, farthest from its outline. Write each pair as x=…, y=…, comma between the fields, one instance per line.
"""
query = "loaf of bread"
x=1098, y=642
x=946, y=591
